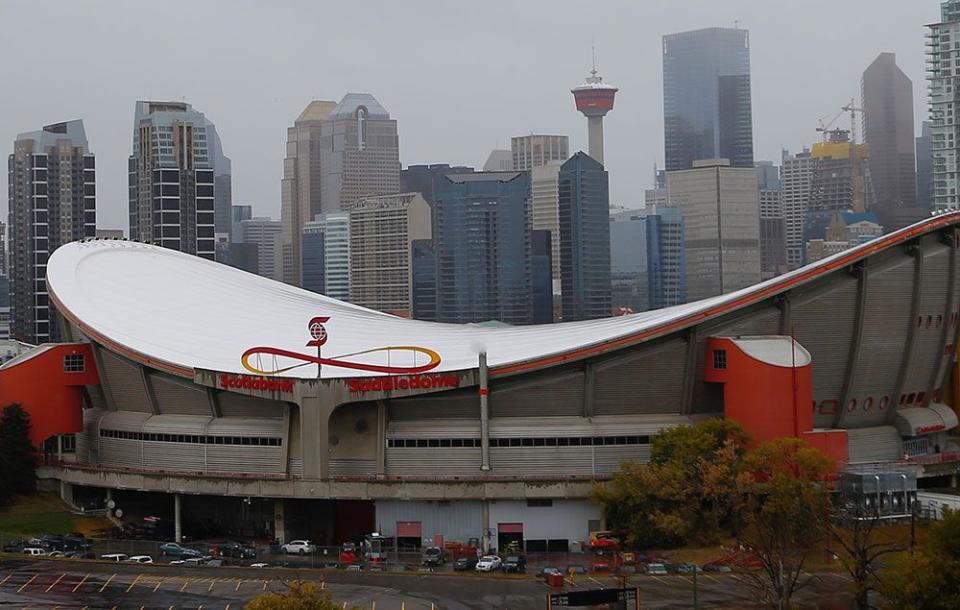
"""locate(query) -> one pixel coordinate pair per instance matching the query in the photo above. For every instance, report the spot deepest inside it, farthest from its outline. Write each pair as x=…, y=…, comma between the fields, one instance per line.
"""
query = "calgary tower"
x=595, y=99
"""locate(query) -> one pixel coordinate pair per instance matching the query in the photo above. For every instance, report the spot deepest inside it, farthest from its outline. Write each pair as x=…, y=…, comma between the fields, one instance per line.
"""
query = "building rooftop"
x=352, y=101
x=178, y=312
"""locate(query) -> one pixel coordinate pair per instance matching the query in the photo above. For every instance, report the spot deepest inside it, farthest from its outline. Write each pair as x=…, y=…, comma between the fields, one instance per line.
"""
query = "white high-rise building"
x=721, y=216
x=943, y=60
x=796, y=178
x=266, y=234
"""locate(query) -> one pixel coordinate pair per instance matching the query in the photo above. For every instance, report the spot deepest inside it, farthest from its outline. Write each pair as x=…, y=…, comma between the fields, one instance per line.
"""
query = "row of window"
x=156, y=437
x=831, y=406
x=562, y=441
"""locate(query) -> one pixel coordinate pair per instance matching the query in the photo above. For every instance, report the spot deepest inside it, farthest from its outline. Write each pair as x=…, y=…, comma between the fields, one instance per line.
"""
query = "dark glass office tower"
x=482, y=234
x=584, y=199
x=706, y=97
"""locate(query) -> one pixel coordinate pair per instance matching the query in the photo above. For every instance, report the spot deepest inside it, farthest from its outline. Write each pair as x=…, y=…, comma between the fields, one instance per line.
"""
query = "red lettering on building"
x=929, y=429
x=264, y=384
x=413, y=382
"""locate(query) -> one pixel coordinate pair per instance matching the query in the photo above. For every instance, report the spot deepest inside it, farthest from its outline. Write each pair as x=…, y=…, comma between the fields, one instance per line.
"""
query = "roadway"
x=93, y=584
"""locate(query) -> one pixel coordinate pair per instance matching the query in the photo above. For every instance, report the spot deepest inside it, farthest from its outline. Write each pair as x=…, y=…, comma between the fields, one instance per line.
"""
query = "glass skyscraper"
x=584, y=200
x=706, y=97
x=482, y=241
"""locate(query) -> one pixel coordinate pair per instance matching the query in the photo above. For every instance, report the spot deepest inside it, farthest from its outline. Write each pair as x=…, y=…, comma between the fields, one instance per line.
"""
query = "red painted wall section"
x=769, y=400
x=52, y=397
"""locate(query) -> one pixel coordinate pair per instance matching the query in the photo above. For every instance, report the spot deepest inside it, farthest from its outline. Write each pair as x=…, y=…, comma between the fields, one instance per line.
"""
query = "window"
x=74, y=363
x=539, y=503
x=719, y=359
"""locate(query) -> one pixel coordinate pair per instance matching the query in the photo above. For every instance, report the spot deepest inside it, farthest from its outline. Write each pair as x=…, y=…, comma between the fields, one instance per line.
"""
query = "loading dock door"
x=507, y=533
x=409, y=535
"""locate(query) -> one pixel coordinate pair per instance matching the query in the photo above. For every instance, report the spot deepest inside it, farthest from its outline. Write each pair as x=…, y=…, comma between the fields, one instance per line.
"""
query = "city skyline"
x=790, y=90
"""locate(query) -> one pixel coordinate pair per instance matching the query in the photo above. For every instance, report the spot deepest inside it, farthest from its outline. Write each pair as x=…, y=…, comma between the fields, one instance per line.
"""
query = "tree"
x=930, y=578
x=688, y=491
x=18, y=459
x=784, y=515
x=300, y=596
x=854, y=530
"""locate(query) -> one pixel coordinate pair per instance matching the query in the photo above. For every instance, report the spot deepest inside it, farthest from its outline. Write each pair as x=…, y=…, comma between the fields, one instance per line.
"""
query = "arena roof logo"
x=246, y=382
x=253, y=359
x=413, y=382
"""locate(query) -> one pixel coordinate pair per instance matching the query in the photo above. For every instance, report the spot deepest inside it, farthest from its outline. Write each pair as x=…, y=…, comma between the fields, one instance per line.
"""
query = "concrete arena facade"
x=524, y=438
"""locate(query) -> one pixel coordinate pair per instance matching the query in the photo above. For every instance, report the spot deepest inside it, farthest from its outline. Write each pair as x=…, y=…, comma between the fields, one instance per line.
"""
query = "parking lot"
x=82, y=584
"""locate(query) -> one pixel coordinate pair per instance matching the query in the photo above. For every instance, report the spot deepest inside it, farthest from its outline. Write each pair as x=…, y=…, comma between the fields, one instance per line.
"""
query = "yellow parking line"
x=265, y=585
x=186, y=581
x=212, y=582
x=107, y=583
x=685, y=578
x=6, y=578
x=24, y=585
x=55, y=583
x=658, y=578
x=134, y=583
x=713, y=578
x=159, y=582
x=596, y=581
x=80, y=584
x=239, y=582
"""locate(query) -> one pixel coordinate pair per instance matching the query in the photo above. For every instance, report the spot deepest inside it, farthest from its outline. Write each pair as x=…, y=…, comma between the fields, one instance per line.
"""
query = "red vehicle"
x=605, y=553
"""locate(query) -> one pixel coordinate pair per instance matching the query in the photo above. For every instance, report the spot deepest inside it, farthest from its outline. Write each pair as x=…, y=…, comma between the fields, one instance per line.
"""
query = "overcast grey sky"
x=460, y=78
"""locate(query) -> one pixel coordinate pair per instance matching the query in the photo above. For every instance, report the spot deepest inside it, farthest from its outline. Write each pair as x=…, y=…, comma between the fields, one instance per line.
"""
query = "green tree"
x=688, y=491
x=18, y=459
x=930, y=578
x=785, y=513
x=299, y=596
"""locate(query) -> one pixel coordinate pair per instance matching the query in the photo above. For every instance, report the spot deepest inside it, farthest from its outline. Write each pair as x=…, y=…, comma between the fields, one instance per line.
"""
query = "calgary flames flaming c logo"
x=253, y=359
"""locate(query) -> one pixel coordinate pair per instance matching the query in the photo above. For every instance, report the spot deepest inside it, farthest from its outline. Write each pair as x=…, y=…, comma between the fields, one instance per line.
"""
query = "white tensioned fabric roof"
x=179, y=312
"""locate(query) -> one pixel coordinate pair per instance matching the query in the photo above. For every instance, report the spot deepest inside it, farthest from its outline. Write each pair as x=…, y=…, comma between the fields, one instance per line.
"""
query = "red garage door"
x=510, y=528
x=408, y=529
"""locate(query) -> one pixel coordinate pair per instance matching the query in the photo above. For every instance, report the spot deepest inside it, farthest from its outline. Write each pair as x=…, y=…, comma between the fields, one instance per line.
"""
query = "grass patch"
x=45, y=513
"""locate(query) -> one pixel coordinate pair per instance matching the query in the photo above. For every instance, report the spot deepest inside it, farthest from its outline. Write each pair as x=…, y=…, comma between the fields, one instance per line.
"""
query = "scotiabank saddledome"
x=197, y=378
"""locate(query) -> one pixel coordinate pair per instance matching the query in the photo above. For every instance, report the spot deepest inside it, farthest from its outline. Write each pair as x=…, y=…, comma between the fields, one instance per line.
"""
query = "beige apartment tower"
x=300, y=186
x=381, y=231
x=721, y=214
x=535, y=150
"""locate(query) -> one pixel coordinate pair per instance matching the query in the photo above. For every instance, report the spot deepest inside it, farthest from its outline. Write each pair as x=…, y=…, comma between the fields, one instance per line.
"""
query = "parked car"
x=118, y=557
x=34, y=551
x=548, y=570
x=515, y=564
x=55, y=554
x=432, y=556
x=688, y=568
x=214, y=563
x=16, y=546
x=716, y=567
x=299, y=547
x=80, y=555
x=465, y=563
x=489, y=563
x=657, y=569
x=190, y=561
x=75, y=541
x=260, y=565
x=52, y=542
x=576, y=569
x=237, y=550
x=174, y=549
x=140, y=559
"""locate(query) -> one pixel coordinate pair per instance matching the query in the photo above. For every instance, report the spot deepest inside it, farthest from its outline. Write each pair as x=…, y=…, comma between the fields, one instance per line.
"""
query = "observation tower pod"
x=595, y=99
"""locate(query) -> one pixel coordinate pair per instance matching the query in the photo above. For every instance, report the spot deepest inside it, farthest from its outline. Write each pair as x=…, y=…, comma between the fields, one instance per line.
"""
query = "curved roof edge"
x=716, y=306
x=649, y=325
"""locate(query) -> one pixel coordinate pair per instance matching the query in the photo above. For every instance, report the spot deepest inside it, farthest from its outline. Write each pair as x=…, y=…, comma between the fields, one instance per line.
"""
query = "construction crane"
x=856, y=179
x=824, y=128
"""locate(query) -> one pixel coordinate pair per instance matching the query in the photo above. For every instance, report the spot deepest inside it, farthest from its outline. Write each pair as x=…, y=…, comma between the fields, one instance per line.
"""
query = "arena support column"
x=177, y=531
x=484, y=414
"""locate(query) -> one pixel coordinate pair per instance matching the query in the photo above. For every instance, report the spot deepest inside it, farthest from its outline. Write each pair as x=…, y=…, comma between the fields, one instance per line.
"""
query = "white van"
x=34, y=551
x=114, y=557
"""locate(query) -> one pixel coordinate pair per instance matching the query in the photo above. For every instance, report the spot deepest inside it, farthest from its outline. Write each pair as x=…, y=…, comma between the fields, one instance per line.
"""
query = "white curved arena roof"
x=178, y=312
